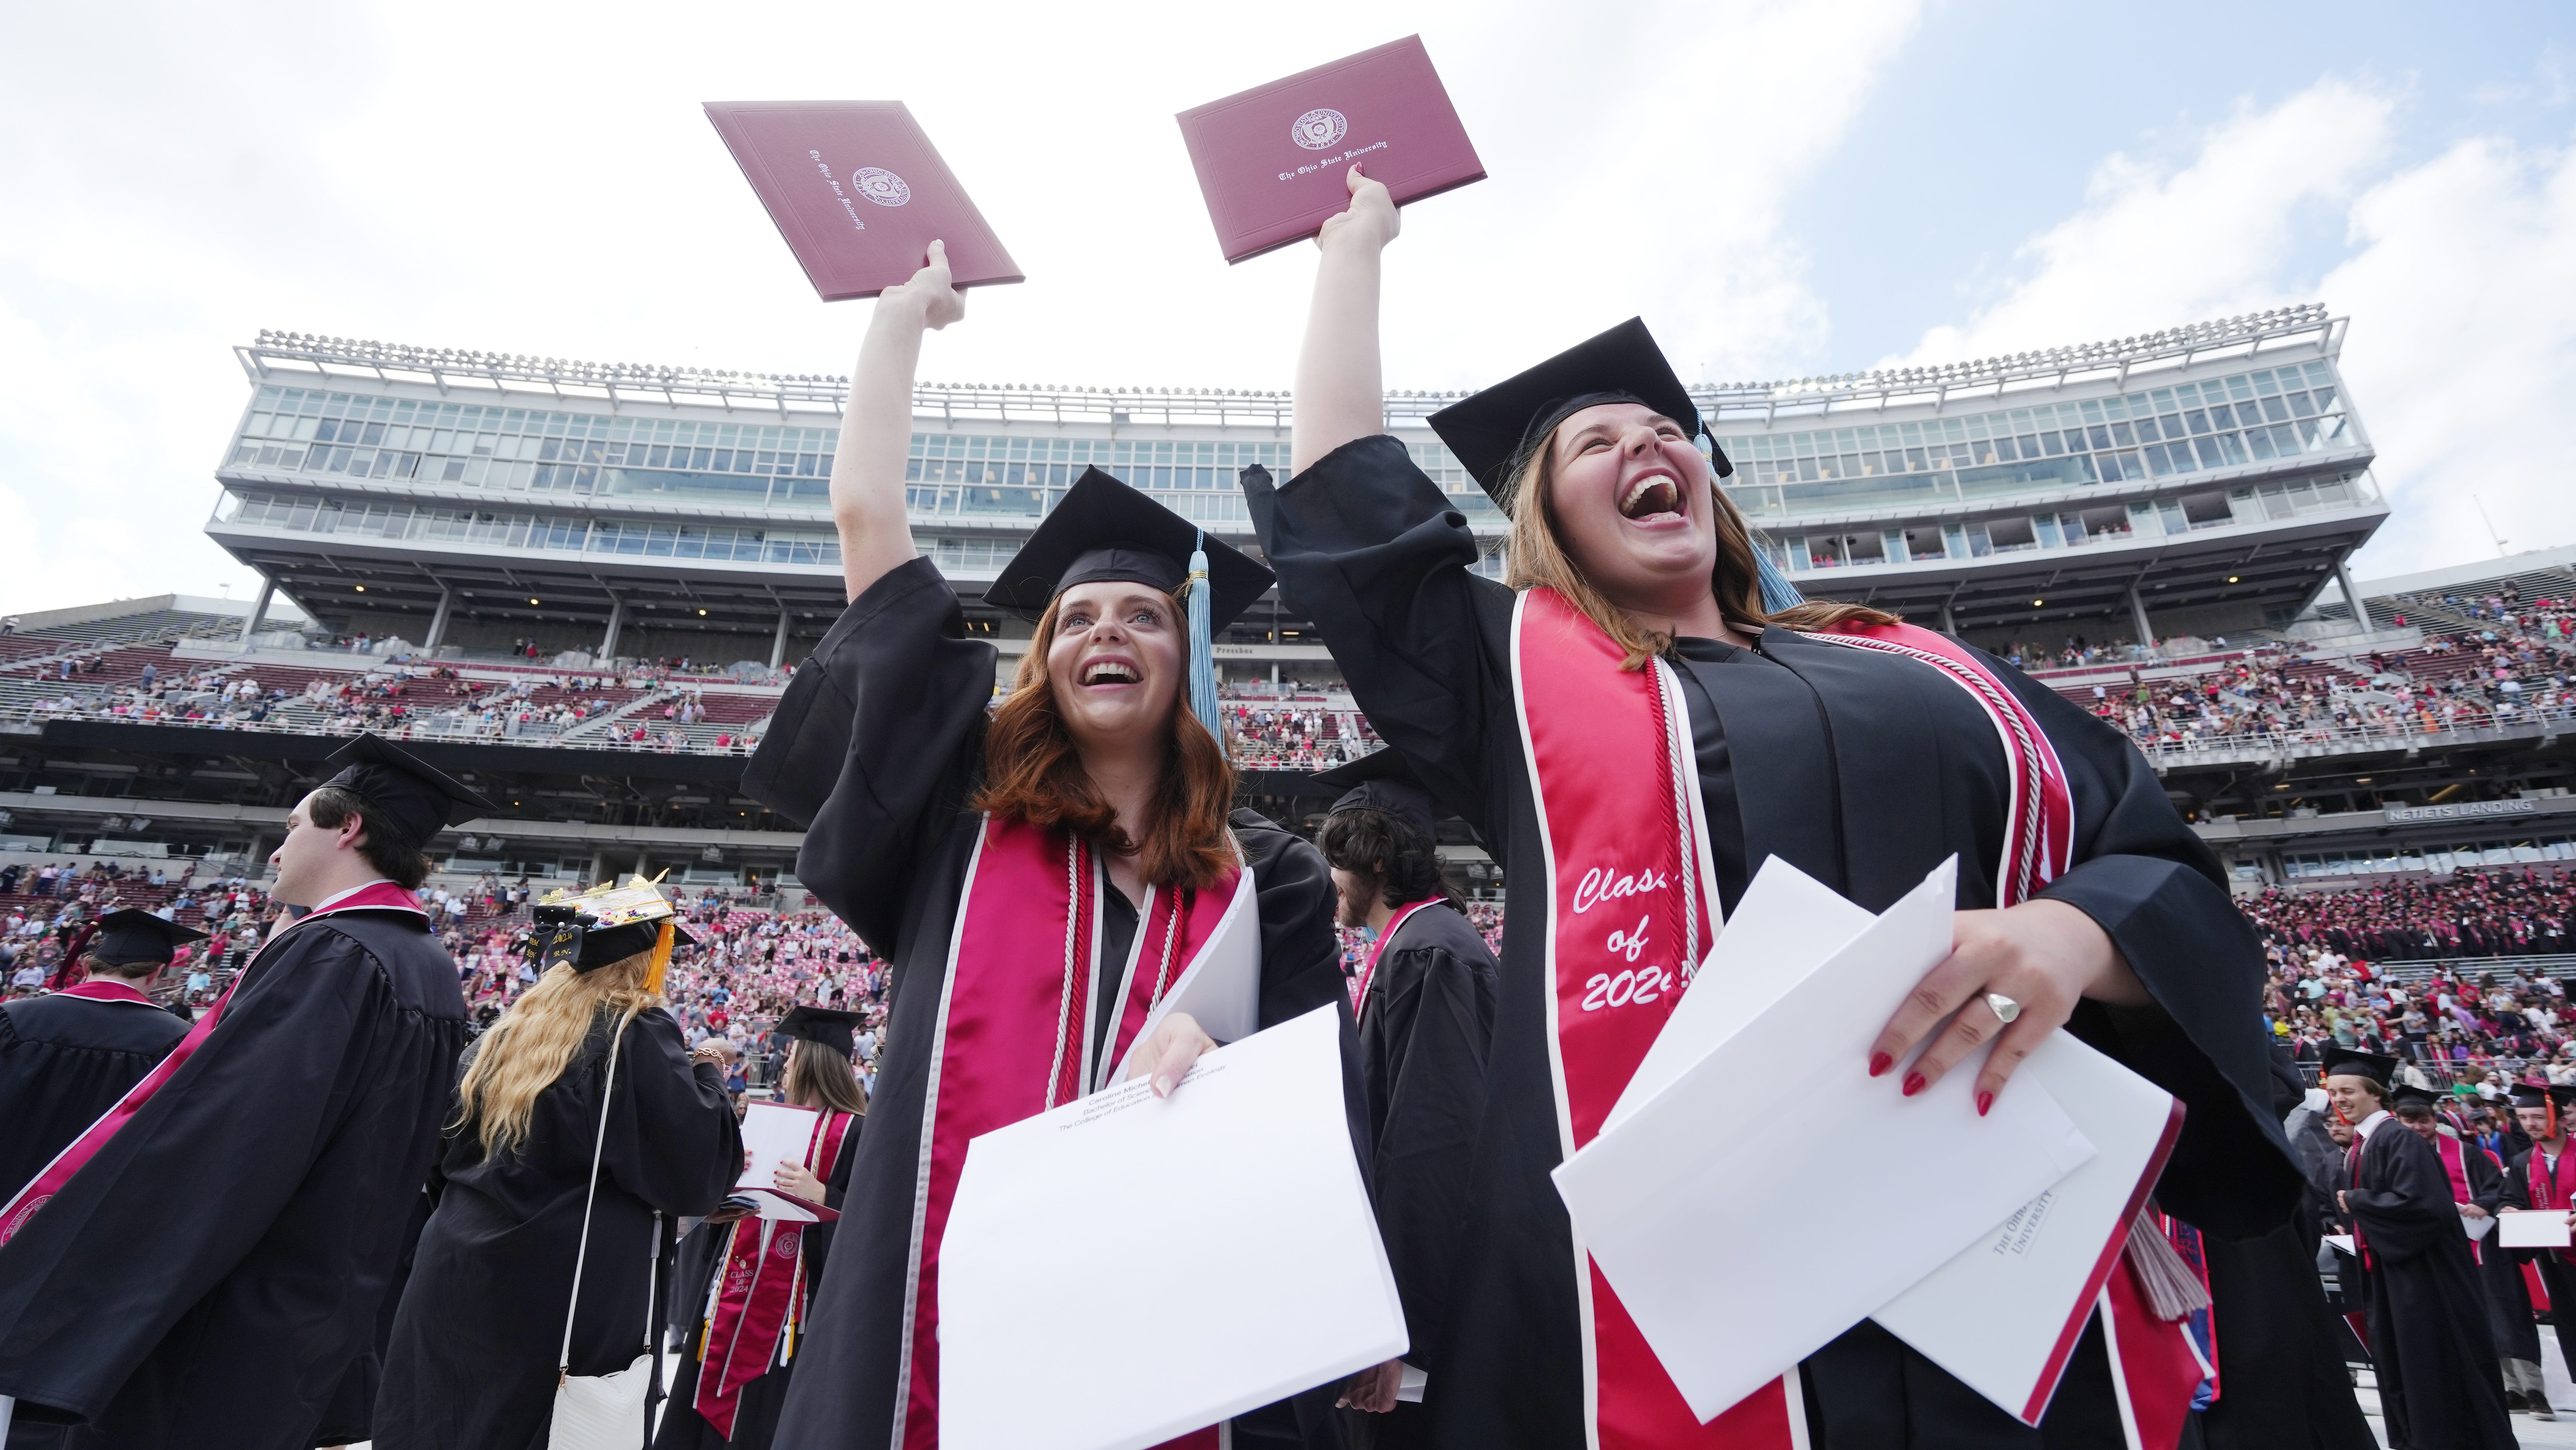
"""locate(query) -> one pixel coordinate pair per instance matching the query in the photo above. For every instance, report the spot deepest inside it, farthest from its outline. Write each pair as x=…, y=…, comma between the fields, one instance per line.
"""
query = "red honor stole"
x=1368, y=968
x=376, y=896
x=2553, y=1188
x=2458, y=1169
x=1013, y=1037
x=760, y=1294
x=1632, y=909
x=99, y=989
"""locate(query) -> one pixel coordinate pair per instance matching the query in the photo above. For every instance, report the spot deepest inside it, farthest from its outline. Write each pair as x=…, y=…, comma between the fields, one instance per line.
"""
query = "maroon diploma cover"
x=1271, y=160
x=859, y=193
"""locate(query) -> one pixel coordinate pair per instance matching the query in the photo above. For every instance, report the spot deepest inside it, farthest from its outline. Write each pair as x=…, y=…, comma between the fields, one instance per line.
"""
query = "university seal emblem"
x=1316, y=130
x=880, y=186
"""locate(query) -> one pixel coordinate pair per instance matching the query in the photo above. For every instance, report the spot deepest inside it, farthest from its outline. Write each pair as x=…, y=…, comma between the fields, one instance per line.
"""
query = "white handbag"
x=599, y=1411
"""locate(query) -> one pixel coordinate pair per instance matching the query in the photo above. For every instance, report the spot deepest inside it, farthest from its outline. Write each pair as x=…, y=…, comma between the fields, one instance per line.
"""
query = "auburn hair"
x=1539, y=557
x=1032, y=773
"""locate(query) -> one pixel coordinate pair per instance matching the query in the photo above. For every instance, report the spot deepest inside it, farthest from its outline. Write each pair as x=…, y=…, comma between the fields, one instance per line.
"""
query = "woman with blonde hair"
x=1646, y=702
x=746, y=1301
x=584, y=1130
x=1036, y=881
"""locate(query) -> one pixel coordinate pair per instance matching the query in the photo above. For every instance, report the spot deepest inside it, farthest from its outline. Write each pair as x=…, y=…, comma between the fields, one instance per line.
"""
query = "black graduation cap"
x=566, y=933
x=1382, y=781
x=2538, y=1094
x=134, y=935
x=828, y=1026
x=2410, y=1095
x=2344, y=1062
x=416, y=798
x=1492, y=431
x=1102, y=529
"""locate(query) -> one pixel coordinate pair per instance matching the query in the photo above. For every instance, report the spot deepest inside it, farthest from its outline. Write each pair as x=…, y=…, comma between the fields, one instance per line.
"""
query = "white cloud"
x=538, y=179
x=2459, y=274
x=2153, y=247
x=2462, y=355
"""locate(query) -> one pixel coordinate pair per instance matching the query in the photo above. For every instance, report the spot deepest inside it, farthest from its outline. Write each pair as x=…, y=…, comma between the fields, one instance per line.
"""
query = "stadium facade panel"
x=2208, y=478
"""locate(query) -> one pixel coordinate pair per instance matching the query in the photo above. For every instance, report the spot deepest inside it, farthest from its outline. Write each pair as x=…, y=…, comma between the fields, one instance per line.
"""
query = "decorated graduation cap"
x=2344, y=1062
x=606, y=925
x=135, y=936
x=826, y=1026
x=1381, y=781
x=415, y=798
x=1494, y=431
x=1103, y=530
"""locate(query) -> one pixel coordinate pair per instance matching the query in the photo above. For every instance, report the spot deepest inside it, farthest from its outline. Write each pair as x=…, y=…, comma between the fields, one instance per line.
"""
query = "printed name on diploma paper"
x=1311, y=167
x=834, y=182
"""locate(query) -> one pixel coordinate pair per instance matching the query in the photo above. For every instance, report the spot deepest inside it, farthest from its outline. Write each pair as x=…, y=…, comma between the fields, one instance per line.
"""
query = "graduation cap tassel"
x=1202, y=646
x=1778, y=593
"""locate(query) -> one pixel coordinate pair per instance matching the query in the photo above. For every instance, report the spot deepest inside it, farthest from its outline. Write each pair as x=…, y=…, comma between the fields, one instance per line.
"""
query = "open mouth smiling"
x=1111, y=672
x=1649, y=495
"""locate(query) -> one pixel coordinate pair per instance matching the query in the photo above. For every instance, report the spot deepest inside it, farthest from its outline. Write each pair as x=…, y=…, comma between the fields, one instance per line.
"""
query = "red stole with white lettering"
x=1013, y=1038
x=2552, y=1189
x=1632, y=909
x=760, y=1294
x=377, y=896
x=1368, y=967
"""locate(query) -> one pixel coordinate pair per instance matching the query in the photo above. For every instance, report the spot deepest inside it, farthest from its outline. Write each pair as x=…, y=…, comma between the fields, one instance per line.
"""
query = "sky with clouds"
x=1781, y=189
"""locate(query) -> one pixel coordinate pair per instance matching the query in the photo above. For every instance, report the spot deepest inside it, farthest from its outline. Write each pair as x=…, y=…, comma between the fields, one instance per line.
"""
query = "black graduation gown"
x=1867, y=771
x=210, y=1275
x=471, y=1365
x=755, y=1423
x=2439, y=1384
x=1425, y=1028
x=2557, y=1276
x=64, y=1061
x=2509, y=1320
x=877, y=747
x=2282, y=1382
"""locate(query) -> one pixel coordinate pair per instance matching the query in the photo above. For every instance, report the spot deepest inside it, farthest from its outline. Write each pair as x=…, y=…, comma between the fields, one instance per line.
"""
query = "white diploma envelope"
x=770, y=1132
x=1126, y=1268
x=2476, y=1228
x=1221, y=988
x=2518, y=1228
x=2006, y=1312
x=1716, y=1227
x=2341, y=1244
x=1786, y=921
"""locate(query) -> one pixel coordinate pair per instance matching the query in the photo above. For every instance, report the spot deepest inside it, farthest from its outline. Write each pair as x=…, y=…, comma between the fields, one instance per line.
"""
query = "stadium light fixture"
x=362, y=588
x=532, y=601
x=2037, y=603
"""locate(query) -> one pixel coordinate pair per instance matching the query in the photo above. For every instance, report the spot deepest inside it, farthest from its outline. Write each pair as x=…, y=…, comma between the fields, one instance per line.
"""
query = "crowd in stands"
x=2465, y=914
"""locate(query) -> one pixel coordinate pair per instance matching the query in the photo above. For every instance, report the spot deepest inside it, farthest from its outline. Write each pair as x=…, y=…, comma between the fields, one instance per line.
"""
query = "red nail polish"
x=1879, y=1063
x=1984, y=1101
x=1913, y=1083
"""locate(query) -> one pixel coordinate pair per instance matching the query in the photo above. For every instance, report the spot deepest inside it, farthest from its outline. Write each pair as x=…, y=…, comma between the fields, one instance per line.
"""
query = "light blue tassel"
x=1777, y=592
x=1202, y=646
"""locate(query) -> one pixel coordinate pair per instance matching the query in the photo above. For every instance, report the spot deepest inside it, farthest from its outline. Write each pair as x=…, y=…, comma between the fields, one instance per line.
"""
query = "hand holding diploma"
x=797, y=1179
x=927, y=300
x=2042, y=955
x=1371, y=220
x=1167, y=1055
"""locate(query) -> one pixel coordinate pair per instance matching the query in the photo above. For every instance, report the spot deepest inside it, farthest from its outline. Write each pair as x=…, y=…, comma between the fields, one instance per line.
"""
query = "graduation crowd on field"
x=448, y=1177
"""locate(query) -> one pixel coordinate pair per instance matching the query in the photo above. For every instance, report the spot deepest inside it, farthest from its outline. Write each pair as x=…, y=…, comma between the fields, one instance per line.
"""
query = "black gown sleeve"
x=1301, y=958
x=874, y=746
x=675, y=1143
x=2158, y=891
x=2486, y=1181
x=1374, y=553
x=1436, y=1027
x=2410, y=1209
x=232, y=1135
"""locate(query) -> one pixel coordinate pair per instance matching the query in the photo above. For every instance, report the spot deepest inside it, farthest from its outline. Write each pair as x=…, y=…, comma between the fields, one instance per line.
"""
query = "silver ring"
x=2005, y=1008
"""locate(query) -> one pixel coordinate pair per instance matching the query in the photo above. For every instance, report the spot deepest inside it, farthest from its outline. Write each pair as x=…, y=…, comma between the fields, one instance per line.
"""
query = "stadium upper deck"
x=2204, y=479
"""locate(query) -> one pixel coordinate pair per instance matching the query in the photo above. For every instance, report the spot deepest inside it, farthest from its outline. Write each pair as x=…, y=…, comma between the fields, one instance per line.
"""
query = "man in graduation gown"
x=1425, y=998
x=66, y=1058
x=203, y=1267
x=2478, y=1187
x=2283, y=1384
x=2544, y=1177
x=2439, y=1384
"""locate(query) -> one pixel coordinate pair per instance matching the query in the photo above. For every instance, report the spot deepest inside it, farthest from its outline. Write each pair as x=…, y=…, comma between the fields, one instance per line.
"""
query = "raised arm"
x=1341, y=394
x=876, y=430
